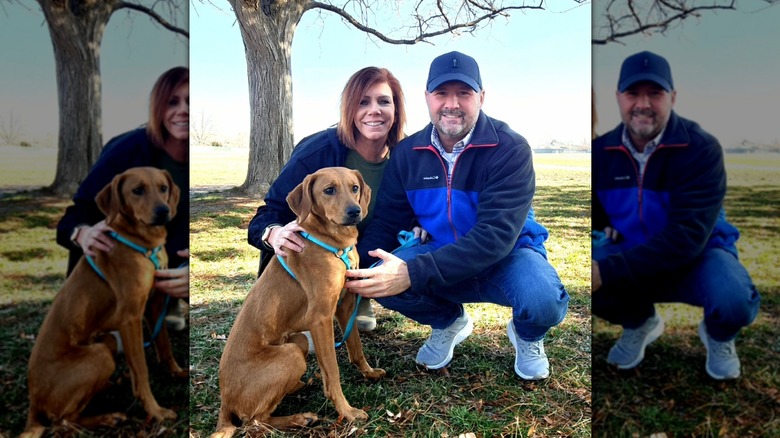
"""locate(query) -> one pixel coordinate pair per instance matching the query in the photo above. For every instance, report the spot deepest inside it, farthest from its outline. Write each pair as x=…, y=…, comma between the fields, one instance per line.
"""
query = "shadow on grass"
x=670, y=391
x=478, y=392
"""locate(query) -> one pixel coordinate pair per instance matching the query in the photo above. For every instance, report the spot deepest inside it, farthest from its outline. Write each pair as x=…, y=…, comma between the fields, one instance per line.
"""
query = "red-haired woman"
x=162, y=143
x=371, y=122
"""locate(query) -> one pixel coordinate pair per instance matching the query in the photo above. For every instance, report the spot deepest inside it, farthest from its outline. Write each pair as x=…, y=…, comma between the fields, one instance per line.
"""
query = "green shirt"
x=372, y=174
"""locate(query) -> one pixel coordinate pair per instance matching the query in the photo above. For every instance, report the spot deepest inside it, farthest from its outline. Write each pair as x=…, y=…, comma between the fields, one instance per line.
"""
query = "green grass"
x=478, y=393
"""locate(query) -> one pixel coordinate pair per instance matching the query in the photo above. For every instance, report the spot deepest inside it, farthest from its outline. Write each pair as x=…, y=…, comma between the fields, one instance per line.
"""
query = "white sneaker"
x=531, y=362
x=437, y=351
x=629, y=350
x=722, y=360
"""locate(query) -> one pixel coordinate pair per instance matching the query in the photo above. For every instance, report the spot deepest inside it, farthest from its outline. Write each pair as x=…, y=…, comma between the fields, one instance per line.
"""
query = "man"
x=468, y=180
x=658, y=188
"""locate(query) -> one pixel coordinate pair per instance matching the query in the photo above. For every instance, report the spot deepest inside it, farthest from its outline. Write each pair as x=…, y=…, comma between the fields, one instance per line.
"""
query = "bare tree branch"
x=155, y=16
x=424, y=21
x=631, y=17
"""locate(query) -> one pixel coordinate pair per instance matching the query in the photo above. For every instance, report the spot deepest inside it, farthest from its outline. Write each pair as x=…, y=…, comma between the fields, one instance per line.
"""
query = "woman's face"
x=376, y=113
x=177, y=114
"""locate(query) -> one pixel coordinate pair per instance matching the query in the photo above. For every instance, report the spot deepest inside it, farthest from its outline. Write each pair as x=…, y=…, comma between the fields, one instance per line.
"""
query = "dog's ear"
x=109, y=199
x=300, y=198
x=173, y=194
x=365, y=193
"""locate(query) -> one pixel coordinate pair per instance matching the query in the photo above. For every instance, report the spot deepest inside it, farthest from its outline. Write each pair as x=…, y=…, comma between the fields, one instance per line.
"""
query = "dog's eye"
x=329, y=191
x=138, y=191
x=355, y=188
x=163, y=189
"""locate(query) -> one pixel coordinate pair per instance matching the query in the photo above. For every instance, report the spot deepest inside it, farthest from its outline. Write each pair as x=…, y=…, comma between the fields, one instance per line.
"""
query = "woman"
x=163, y=143
x=371, y=123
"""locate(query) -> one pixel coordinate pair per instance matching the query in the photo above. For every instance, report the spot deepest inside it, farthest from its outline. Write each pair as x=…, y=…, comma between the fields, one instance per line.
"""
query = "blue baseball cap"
x=454, y=66
x=645, y=66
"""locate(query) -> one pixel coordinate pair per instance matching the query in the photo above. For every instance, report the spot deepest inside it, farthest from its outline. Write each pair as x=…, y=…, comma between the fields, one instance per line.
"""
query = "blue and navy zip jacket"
x=474, y=220
x=669, y=216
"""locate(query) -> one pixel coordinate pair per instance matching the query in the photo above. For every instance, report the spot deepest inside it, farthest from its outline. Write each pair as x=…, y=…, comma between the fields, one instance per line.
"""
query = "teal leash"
x=407, y=240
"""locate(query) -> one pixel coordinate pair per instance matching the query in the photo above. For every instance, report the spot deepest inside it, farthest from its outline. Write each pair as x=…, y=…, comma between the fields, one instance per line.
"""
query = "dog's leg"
x=162, y=343
x=354, y=346
x=132, y=338
x=63, y=388
x=34, y=428
x=253, y=386
x=322, y=335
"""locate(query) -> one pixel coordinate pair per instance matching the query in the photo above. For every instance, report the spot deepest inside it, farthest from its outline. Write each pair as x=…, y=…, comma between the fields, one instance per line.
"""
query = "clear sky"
x=134, y=54
x=725, y=68
x=535, y=69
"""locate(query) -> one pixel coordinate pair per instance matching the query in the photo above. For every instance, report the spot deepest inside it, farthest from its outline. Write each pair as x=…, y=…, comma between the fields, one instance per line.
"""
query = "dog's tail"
x=225, y=427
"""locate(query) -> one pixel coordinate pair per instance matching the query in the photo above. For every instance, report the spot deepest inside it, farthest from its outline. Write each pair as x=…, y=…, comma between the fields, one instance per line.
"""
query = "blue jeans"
x=716, y=281
x=524, y=281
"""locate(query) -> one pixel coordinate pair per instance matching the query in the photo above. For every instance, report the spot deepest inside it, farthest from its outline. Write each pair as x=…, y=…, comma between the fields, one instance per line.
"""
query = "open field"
x=479, y=393
x=669, y=392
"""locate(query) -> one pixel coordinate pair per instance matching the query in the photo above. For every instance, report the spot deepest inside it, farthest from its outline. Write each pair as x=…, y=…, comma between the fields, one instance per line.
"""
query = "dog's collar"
x=341, y=254
x=151, y=254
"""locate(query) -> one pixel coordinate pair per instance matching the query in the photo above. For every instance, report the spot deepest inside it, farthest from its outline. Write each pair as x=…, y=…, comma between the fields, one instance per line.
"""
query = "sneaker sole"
x=703, y=337
x=512, y=339
x=460, y=337
x=654, y=334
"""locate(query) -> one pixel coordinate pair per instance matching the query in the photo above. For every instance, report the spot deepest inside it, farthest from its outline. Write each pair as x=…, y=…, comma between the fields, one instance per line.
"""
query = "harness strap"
x=344, y=257
x=153, y=255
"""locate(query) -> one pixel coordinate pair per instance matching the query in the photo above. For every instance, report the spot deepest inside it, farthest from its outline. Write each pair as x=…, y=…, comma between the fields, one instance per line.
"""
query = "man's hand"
x=174, y=282
x=388, y=279
x=595, y=276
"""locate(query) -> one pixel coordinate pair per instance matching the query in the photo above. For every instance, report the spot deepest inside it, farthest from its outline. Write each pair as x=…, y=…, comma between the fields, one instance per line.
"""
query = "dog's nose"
x=353, y=212
x=161, y=213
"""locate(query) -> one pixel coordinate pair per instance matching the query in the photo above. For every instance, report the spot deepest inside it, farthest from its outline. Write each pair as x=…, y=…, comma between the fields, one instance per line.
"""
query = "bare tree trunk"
x=267, y=28
x=76, y=29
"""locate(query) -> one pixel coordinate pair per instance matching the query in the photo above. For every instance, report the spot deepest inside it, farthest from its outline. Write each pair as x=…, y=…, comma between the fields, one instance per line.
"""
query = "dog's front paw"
x=374, y=374
x=162, y=414
x=356, y=415
x=305, y=419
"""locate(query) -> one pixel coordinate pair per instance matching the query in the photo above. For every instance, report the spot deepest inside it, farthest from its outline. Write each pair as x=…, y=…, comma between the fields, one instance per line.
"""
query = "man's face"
x=645, y=108
x=454, y=109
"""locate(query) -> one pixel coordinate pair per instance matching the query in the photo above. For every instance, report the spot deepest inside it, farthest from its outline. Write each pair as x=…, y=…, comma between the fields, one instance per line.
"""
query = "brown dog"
x=73, y=356
x=265, y=355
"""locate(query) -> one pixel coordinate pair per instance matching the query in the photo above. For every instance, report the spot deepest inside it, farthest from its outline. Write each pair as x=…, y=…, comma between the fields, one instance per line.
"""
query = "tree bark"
x=267, y=29
x=76, y=28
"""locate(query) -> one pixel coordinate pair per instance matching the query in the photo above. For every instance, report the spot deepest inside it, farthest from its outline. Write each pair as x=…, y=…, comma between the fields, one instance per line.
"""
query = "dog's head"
x=142, y=194
x=333, y=194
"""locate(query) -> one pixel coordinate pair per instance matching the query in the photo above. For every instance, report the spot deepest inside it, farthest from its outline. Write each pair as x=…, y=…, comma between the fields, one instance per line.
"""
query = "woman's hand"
x=286, y=238
x=420, y=233
x=94, y=238
x=174, y=282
